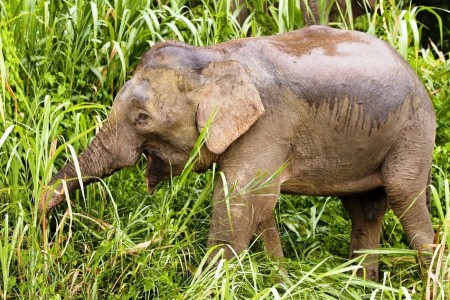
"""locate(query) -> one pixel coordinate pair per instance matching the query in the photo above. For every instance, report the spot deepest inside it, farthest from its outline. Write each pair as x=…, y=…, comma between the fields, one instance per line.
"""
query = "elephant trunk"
x=104, y=156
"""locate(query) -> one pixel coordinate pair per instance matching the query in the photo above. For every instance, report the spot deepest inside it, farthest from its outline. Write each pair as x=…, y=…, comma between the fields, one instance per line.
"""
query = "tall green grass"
x=61, y=64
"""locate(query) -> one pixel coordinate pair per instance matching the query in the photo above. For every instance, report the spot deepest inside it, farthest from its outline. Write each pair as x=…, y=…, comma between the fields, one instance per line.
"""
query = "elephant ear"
x=231, y=99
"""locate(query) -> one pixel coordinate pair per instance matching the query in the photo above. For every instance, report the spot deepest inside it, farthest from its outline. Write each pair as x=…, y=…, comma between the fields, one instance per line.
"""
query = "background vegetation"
x=62, y=62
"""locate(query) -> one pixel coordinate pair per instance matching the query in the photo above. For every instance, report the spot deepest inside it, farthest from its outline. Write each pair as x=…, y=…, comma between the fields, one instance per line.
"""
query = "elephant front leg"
x=241, y=211
x=231, y=227
x=268, y=232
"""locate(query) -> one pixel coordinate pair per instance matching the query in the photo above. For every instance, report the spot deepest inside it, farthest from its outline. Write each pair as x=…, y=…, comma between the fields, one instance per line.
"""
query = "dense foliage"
x=62, y=62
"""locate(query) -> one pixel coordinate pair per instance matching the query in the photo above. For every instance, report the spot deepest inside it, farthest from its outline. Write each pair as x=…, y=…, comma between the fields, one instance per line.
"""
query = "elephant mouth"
x=148, y=178
x=157, y=169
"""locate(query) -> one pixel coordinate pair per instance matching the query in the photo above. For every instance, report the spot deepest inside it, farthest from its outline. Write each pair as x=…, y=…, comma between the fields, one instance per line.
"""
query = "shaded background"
x=430, y=29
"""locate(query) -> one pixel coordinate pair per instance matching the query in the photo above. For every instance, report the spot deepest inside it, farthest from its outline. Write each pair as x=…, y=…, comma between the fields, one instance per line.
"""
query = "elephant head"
x=160, y=111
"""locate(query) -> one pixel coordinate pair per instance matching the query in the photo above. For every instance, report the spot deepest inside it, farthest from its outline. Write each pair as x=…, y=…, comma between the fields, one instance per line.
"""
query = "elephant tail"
x=428, y=191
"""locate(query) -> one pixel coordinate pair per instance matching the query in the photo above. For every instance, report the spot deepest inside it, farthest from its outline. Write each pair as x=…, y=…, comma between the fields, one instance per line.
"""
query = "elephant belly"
x=327, y=186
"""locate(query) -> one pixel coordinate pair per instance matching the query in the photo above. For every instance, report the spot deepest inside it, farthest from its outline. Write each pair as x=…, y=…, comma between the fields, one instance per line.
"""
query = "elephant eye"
x=141, y=119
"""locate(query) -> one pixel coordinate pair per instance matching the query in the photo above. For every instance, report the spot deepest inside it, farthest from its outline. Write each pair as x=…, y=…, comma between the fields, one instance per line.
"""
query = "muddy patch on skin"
x=315, y=38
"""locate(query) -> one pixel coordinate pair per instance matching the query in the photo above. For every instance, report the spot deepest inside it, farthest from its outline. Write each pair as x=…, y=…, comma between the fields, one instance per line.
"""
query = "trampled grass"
x=61, y=64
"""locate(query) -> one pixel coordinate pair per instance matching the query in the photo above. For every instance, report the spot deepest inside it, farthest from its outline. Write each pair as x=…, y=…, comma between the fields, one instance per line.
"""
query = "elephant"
x=316, y=111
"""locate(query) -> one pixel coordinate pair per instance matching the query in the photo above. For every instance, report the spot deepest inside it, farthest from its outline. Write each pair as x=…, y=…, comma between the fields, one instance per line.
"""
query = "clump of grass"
x=61, y=63
x=399, y=26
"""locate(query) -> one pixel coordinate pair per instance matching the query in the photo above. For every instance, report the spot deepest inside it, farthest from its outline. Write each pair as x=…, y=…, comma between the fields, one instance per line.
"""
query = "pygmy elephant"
x=317, y=111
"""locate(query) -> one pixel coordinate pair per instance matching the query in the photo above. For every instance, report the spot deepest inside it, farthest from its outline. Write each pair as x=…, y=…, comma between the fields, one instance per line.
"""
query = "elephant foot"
x=424, y=259
x=369, y=270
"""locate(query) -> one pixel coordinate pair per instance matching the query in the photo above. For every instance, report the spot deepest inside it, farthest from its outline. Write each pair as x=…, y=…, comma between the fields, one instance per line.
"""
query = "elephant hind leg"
x=405, y=178
x=366, y=212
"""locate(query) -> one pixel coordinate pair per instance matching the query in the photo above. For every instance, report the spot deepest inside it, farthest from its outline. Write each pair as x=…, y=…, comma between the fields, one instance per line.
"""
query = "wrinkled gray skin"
x=341, y=109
